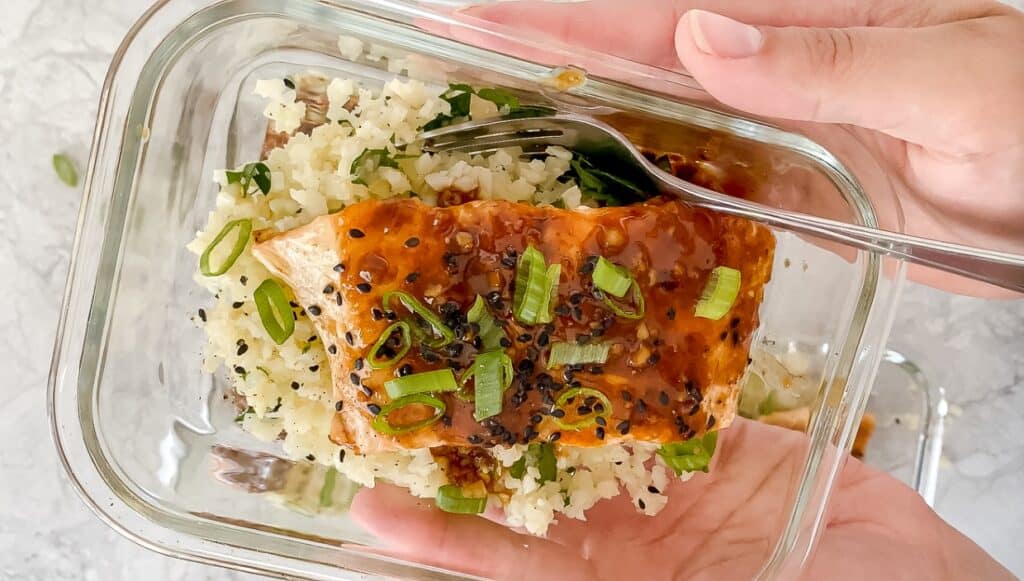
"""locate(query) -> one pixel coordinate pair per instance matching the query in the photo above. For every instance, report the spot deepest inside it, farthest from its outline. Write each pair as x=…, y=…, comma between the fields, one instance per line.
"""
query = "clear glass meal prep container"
x=136, y=420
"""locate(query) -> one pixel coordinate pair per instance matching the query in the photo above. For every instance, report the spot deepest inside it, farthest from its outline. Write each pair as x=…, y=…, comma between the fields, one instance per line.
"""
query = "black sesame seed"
x=558, y=413
x=587, y=268
x=640, y=502
x=356, y=233
x=338, y=299
x=364, y=287
x=601, y=421
x=374, y=408
x=202, y=315
x=295, y=385
x=349, y=338
x=653, y=359
x=366, y=390
x=329, y=289
x=358, y=364
x=314, y=310
x=412, y=242
x=412, y=277
x=504, y=342
x=391, y=316
x=243, y=279
x=242, y=349
x=543, y=339
x=494, y=297
x=584, y=410
x=663, y=398
x=525, y=366
x=340, y=267
x=341, y=455
x=653, y=489
x=239, y=370
x=376, y=313
x=641, y=406
x=354, y=378
x=554, y=437
x=289, y=83
x=598, y=408
x=338, y=405
x=405, y=370
x=314, y=368
x=524, y=338
x=535, y=419
x=474, y=439
x=595, y=369
x=623, y=427
x=237, y=304
x=310, y=457
x=599, y=432
x=711, y=422
x=671, y=314
x=576, y=298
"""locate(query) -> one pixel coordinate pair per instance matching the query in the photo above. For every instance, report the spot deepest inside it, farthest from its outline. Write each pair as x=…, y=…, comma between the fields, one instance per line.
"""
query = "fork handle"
x=1002, y=269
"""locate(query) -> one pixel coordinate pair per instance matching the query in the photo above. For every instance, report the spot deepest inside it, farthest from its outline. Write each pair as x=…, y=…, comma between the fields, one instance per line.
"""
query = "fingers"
x=417, y=530
x=837, y=75
x=642, y=30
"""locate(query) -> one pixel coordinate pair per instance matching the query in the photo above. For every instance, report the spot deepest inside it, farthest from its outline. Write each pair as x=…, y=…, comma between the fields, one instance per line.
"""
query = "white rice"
x=310, y=177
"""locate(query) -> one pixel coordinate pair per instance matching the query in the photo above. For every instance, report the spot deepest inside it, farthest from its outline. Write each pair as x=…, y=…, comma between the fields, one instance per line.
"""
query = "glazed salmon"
x=669, y=374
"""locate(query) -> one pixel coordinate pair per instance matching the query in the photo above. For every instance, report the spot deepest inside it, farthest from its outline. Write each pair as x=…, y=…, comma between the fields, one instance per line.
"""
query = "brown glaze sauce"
x=661, y=366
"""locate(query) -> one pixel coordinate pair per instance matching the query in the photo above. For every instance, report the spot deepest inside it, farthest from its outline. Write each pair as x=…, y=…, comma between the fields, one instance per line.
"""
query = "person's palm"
x=719, y=525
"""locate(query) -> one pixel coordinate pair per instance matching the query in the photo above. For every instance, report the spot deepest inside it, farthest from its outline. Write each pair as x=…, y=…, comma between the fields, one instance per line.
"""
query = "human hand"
x=932, y=88
x=718, y=525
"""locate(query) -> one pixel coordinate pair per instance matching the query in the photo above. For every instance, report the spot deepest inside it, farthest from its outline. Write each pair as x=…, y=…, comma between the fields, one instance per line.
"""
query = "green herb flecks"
x=252, y=178
x=602, y=186
x=368, y=162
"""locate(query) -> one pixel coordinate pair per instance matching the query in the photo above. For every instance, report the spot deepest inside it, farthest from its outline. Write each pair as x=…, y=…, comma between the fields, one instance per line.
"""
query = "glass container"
x=145, y=435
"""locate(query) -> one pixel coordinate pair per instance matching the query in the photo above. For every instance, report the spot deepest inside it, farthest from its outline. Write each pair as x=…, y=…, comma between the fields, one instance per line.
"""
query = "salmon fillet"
x=670, y=375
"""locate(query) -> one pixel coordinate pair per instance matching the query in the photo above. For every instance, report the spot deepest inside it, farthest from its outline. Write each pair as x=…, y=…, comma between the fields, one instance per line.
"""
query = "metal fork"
x=589, y=136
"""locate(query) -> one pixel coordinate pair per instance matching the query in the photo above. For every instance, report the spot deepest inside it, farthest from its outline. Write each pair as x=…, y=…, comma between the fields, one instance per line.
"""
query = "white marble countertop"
x=53, y=57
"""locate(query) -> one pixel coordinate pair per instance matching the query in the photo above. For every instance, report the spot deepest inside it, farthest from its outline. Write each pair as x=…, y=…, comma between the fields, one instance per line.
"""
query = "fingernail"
x=720, y=36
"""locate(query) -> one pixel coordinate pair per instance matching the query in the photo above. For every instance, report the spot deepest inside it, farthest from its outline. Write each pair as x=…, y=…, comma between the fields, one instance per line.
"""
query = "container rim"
x=148, y=50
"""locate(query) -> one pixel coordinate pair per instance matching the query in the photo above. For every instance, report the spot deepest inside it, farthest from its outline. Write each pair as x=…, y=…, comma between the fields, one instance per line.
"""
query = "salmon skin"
x=669, y=376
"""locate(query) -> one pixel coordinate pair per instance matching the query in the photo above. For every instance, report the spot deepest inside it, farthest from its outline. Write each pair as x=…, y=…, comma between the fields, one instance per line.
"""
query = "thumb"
x=878, y=78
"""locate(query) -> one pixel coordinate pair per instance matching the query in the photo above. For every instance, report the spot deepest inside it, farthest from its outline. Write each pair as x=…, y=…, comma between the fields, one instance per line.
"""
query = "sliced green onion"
x=500, y=97
x=450, y=499
x=382, y=425
x=572, y=354
x=490, y=333
x=719, y=294
x=442, y=334
x=546, y=463
x=540, y=455
x=553, y=275
x=327, y=490
x=244, y=228
x=611, y=278
x=536, y=288
x=634, y=311
x=65, y=169
x=436, y=381
x=375, y=360
x=492, y=375
x=691, y=455
x=275, y=312
x=583, y=392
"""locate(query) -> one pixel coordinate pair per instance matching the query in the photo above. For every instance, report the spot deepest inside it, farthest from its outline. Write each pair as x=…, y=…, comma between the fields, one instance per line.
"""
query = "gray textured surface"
x=53, y=56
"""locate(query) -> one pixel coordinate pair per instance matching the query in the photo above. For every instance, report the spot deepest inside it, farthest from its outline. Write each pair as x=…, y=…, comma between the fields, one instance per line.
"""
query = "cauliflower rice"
x=288, y=388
